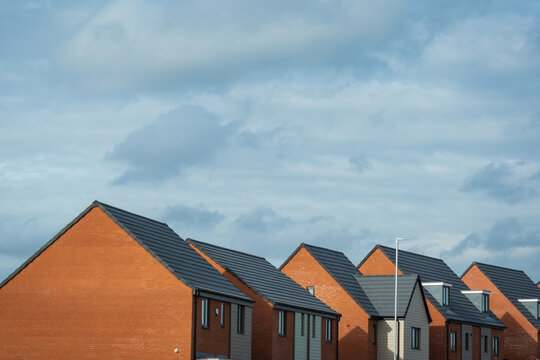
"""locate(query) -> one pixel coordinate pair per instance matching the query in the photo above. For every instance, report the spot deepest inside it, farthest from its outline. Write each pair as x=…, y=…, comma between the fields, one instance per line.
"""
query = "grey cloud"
x=499, y=182
x=360, y=163
x=192, y=217
x=176, y=141
x=511, y=232
x=263, y=219
x=21, y=237
x=471, y=241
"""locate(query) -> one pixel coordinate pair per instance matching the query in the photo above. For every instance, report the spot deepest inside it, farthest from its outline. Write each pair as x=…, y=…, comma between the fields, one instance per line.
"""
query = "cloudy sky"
x=261, y=125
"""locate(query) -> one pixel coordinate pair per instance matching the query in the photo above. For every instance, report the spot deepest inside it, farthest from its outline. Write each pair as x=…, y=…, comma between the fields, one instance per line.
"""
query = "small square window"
x=311, y=290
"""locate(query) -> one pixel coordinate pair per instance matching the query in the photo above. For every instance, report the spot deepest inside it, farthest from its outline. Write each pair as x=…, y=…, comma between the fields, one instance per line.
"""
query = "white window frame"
x=311, y=290
x=205, y=312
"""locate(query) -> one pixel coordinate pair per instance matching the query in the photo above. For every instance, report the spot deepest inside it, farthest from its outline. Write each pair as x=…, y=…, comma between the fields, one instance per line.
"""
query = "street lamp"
x=396, y=334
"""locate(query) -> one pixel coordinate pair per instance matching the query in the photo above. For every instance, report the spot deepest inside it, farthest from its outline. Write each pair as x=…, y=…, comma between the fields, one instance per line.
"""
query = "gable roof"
x=514, y=284
x=263, y=278
x=380, y=291
x=436, y=270
x=165, y=245
x=342, y=270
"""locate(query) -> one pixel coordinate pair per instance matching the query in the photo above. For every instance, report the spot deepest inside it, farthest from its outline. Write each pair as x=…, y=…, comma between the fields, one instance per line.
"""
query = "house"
x=116, y=285
x=288, y=322
x=366, y=304
x=461, y=328
x=515, y=299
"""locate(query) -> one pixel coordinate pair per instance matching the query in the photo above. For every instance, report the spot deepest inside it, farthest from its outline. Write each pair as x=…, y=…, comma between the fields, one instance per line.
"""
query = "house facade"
x=113, y=284
x=515, y=299
x=366, y=329
x=461, y=328
x=288, y=322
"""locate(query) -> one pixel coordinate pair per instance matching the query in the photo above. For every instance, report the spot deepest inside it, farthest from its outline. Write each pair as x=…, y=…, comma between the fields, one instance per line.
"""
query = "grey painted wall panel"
x=315, y=339
x=416, y=317
x=485, y=333
x=300, y=342
x=466, y=354
x=241, y=343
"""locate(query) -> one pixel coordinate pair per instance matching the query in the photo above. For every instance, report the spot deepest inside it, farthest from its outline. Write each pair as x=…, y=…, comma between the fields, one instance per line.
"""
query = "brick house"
x=288, y=322
x=366, y=304
x=514, y=298
x=113, y=284
x=461, y=328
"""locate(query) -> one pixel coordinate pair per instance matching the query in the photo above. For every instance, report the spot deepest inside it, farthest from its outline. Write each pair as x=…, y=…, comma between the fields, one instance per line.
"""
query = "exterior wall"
x=283, y=346
x=241, y=343
x=385, y=339
x=379, y=264
x=499, y=333
x=520, y=341
x=93, y=294
x=329, y=348
x=466, y=354
x=300, y=341
x=485, y=335
x=454, y=355
x=354, y=326
x=416, y=317
x=315, y=338
x=214, y=339
x=262, y=325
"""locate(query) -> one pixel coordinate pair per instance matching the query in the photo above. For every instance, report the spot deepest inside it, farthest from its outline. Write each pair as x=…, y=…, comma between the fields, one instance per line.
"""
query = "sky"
x=262, y=125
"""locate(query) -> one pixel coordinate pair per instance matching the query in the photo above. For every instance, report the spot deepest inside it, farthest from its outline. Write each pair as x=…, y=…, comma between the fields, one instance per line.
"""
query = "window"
x=374, y=334
x=328, y=330
x=415, y=338
x=486, y=344
x=311, y=290
x=205, y=313
x=485, y=302
x=446, y=295
x=466, y=341
x=222, y=314
x=240, y=318
x=495, y=346
x=453, y=341
x=313, y=327
x=282, y=322
x=302, y=326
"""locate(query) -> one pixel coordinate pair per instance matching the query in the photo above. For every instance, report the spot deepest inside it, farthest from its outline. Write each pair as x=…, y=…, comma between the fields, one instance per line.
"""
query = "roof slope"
x=343, y=271
x=263, y=278
x=165, y=245
x=436, y=270
x=514, y=284
x=380, y=291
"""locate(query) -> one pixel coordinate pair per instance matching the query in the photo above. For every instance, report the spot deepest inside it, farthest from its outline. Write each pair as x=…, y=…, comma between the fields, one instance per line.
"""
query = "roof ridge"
x=410, y=252
x=323, y=248
x=497, y=266
x=99, y=203
x=190, y=240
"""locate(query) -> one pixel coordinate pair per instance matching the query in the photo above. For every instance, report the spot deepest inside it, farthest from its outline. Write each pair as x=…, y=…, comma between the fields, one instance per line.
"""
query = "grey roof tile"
x=344, y=272
x=380, y=291
x=435, y=270
x=172, y=251
x=263, y=278
x=514, y=284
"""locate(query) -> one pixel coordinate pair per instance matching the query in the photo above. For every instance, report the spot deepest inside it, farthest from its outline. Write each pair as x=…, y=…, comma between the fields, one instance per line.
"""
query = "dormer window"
x=446, y=295
x=440, y=291
x=485, y=302
x=533, y=305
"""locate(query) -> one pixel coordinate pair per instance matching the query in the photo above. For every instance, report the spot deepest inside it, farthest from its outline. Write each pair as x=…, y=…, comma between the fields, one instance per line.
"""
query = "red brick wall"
x=214, y=339
x=354, y=327
x=95, y=293
x=520, y=340
x=283, y=346
x=499, y=333
x=457, y=354
x=378, y=264
x=262, y=324
x=328, y=349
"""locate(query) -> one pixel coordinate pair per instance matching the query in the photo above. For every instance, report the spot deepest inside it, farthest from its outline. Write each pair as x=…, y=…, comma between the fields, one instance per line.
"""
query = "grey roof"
x=436, y=270
x=166, y=246
x=380, y=291
x=263, y=278
x=343, y=271
x=514, y=284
